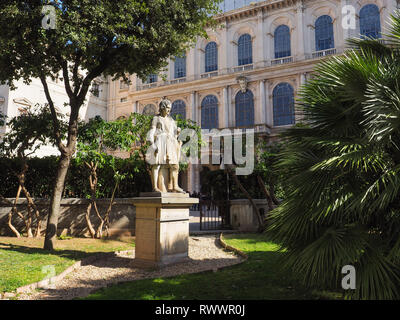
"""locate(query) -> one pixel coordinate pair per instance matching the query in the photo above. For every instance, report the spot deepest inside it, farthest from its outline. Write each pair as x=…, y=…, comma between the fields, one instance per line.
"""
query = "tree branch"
x=56, y=124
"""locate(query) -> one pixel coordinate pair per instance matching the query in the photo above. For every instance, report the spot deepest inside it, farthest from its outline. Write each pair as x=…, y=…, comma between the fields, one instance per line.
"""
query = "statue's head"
x=165, y=106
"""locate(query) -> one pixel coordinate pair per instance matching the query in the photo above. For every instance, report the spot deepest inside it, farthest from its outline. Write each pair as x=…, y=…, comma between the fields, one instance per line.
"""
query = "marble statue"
x=163, y=137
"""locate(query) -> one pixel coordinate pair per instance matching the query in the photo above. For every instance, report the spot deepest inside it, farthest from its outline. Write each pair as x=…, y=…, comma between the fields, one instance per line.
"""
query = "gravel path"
x=204, y=254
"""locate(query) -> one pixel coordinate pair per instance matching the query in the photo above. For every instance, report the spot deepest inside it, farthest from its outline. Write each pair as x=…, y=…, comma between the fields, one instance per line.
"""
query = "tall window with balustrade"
x=209, y=112
x=283, y=104
x=245, y=50
x=324, y=38
x=244, y=109
x=178, y=108
x=282, y=42
x=211, y=57
x=180, y=67
x=370, y=21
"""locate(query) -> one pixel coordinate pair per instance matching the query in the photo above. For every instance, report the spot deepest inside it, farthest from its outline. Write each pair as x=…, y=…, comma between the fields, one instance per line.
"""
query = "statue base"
x=162, y=229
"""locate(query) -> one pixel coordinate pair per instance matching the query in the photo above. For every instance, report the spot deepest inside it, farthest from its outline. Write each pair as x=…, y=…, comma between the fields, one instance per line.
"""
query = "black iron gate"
x=214, y=215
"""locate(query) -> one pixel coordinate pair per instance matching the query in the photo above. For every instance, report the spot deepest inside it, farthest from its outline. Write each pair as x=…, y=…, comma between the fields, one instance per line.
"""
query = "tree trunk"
x=265, y=191
x=107, y=215
x=88, y=222
x=10, y=225
x=99, y=232
x=274, y=199
x=33, y=207
x=76, y=98
x=13, y=210
x=28, y=222
x=52, y=222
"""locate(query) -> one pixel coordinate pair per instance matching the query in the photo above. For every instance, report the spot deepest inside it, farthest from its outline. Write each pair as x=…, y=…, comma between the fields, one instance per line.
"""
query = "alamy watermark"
x=348, y=17
x=50, y=272
x=238, y=149
x=349, y=280
x=49, y=20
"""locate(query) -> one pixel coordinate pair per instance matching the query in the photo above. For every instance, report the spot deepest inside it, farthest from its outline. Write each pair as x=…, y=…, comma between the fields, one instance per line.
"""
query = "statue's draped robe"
x=164, y=130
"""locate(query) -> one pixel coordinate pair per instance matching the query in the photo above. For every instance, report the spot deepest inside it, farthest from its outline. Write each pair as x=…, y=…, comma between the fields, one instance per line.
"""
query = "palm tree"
x=343, y=203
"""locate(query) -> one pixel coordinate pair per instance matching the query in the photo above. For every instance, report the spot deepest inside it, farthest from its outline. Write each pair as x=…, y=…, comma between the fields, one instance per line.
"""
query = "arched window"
x=370, y=21
x=180, y=67
x=152, y=78
x=283, y=104
x=178, y=107
x=244, y=107
x=282, y=42
x=209, y=112
x=211, y=57
x=150, y=110
x=324, y=33
x=245, y=50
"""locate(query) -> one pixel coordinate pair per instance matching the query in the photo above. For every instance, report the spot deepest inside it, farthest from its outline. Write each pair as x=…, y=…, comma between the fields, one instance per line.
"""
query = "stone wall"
x=242, y=215
x=72, y=219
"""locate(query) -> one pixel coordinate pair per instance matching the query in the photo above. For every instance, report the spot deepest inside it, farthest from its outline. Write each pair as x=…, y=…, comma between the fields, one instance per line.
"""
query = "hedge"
x=42, y=172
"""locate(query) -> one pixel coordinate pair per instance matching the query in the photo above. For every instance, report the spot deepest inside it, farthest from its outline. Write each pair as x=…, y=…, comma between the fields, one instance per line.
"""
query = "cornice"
x=255, y=8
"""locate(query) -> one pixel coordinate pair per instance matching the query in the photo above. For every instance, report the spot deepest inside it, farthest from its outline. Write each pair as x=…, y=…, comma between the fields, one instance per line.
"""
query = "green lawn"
x=21, y=260
x=261, y=277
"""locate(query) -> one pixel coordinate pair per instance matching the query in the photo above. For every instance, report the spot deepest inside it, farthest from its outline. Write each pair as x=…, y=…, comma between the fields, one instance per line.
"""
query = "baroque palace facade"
x=271, y=47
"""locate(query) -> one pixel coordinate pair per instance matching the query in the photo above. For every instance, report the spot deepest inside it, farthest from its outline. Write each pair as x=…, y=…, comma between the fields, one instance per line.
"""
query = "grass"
x=259, y=278
x=22, y=260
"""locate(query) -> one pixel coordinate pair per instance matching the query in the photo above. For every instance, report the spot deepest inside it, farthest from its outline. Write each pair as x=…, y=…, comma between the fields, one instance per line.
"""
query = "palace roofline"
x=254, y=8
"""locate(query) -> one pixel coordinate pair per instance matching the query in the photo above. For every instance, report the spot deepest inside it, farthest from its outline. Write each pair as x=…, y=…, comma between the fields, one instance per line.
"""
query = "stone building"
x=271, y=47
x=12, y=103
x=247, y=74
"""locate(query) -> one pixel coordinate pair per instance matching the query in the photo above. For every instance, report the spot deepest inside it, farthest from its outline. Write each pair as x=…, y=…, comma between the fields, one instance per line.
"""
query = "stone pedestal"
x=162, y=228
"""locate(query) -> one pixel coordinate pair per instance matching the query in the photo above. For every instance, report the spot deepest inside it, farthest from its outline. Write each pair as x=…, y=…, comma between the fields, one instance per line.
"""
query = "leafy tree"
x=26, y=134
x=96, y=139
x=91, y=38
x=216, y=183
x=343, y=204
